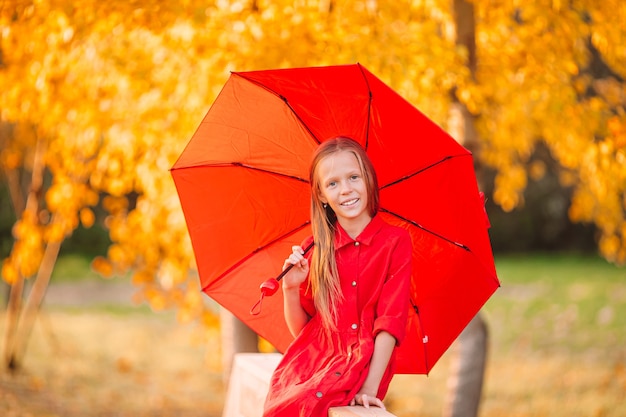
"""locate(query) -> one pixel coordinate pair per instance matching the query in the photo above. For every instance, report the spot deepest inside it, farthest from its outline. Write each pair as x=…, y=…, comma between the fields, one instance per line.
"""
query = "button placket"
x=354, y=325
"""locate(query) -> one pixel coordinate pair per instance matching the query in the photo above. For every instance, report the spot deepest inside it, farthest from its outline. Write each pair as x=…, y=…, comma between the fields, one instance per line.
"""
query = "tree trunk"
x=468, y=366
x=17, y=201
x=14, y=305
x=461, y=121
x=236, y=338
x=467, y=371
x=35, y=297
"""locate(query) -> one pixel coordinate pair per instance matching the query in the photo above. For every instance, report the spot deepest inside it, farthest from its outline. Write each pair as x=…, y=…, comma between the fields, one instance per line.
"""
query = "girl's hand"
x=366, y=400
x=300, y=270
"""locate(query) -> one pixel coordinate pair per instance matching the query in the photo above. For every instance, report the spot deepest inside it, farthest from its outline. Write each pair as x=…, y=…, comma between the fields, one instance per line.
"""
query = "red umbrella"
x=243, y=185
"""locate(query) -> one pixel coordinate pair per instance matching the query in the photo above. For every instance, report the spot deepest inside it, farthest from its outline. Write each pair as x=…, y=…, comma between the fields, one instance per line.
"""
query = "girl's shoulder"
x=392, y=231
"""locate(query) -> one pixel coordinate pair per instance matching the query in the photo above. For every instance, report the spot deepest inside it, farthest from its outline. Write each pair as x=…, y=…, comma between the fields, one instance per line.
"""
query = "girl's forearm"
x=383, y=348
x=295, y=316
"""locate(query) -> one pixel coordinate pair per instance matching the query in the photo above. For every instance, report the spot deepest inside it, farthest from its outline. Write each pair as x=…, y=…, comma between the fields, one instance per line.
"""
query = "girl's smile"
x=350, y=202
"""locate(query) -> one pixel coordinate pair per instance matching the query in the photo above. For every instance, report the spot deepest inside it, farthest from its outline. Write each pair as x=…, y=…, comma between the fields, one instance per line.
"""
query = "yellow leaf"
x=9, y=272
x=87, y=217
x=102, y=266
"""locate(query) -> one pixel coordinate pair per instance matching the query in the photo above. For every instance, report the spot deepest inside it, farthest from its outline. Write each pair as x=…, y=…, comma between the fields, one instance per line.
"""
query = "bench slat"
x=358, y=411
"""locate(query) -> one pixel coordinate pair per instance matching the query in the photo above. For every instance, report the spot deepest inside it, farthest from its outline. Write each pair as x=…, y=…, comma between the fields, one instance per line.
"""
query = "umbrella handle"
x=270, y=286
x=282, y=274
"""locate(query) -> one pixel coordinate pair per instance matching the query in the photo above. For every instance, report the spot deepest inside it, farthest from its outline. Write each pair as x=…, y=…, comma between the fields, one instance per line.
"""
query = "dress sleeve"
x=393, y=304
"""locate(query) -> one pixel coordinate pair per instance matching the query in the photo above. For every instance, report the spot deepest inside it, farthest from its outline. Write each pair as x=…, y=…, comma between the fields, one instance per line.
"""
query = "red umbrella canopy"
x=243, y=185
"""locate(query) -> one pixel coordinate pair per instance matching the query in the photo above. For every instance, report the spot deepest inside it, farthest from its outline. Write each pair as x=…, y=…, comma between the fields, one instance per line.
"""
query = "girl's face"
x=343, y=188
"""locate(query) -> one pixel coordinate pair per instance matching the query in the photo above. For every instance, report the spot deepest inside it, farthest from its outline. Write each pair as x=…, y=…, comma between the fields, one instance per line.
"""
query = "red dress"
x=323, y=369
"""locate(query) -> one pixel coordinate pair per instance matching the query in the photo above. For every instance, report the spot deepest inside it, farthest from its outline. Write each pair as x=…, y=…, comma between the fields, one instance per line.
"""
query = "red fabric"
x=323, y=369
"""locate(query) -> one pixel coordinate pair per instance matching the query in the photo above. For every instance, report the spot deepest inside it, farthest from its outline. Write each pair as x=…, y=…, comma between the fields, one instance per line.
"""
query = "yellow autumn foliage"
x=535, y=82
x=115, y=89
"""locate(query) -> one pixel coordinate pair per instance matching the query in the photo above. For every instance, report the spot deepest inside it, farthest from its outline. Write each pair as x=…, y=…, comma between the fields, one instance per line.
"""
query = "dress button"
x=337, y=373
x=354, y=326
x=319, y=394
x=356, y=243
x=354, y=283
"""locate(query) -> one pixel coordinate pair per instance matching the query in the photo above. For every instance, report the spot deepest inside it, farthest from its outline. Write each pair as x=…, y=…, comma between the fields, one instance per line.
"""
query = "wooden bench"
x=249, y=383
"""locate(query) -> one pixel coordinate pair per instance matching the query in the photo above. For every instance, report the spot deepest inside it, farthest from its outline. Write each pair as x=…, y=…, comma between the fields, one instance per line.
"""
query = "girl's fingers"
x=365, y=401
x=379, y=403
x=292, y=259
x=297, y=251
x=295, y=259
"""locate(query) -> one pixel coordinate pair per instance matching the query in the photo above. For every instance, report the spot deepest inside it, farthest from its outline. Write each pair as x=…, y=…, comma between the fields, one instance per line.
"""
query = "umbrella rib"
x=416, y=224
x=424, y=337
x=260, y=248
x=267, y=171
x=369, y=108
x=242, y=165
x=285, y=100
x=419, y=171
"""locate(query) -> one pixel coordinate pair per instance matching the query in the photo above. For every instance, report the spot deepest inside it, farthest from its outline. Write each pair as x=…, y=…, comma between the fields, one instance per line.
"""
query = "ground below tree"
x=93, y=353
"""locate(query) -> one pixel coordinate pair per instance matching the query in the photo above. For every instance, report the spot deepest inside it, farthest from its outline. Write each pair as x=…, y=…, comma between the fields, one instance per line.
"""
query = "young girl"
x=346, y=301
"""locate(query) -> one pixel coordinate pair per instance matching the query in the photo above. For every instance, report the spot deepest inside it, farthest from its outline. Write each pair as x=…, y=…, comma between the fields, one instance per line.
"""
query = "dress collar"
x=342, y=238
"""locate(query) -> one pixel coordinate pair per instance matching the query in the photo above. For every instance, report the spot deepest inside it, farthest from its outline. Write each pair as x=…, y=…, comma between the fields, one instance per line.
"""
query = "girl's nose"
x=346, y=187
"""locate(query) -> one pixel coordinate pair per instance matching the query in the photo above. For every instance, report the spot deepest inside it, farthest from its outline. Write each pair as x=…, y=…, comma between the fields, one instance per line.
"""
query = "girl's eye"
x=354, y=177
x=332, y=183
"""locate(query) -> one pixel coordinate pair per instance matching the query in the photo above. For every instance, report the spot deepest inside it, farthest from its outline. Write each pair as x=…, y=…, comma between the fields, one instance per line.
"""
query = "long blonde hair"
x=323, y=276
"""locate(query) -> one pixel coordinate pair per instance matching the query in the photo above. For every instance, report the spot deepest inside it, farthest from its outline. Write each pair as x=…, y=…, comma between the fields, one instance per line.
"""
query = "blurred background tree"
x=98, y=99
